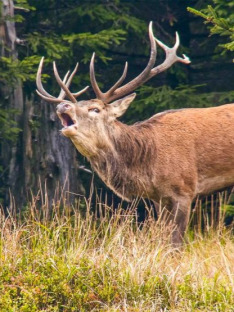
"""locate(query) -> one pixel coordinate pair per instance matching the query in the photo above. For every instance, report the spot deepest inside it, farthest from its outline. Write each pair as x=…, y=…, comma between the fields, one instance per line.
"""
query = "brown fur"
x=172, y=157
x=138, y=160
x=172, y=148
x=122, y=168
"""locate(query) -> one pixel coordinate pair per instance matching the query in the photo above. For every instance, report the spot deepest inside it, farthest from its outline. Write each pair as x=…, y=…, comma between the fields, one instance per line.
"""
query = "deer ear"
x=118, y=107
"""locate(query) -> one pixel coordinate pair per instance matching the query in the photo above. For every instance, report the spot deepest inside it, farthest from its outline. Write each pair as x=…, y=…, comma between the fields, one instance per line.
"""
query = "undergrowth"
x=103, y=259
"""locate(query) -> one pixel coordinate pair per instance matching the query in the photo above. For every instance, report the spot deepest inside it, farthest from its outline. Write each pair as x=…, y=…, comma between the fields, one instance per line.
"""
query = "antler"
x=115, y=93
x=64, y=84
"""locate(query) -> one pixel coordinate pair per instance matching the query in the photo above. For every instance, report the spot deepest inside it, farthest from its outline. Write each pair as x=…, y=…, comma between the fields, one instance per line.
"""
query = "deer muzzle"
x=66, y=113
x=64, y=108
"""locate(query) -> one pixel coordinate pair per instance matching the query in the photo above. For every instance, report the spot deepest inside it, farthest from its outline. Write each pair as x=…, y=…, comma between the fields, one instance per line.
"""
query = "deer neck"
x=90, y=145
x=125, y=166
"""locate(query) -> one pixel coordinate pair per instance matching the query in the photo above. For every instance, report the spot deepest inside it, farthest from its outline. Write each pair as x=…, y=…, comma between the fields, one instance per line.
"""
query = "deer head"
x=89, y=123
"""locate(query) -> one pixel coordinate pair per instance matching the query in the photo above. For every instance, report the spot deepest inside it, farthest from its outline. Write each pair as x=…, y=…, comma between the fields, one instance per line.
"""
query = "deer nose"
x=63, y=107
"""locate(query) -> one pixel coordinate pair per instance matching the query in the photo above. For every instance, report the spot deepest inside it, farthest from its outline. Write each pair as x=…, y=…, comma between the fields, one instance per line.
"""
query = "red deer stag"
x=171, y=157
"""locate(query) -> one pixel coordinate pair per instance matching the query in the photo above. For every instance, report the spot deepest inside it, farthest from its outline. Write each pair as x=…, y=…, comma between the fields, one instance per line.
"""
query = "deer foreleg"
x=175, y=217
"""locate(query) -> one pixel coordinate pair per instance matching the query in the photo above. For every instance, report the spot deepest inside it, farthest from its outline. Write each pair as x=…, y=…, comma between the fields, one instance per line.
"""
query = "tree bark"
x=40, y=158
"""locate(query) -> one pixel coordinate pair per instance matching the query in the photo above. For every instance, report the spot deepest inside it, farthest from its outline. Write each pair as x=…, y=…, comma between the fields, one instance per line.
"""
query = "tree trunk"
x=41, y=156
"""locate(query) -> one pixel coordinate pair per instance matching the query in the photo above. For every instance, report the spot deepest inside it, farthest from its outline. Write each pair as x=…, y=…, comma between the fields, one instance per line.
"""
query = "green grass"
x=68, y=260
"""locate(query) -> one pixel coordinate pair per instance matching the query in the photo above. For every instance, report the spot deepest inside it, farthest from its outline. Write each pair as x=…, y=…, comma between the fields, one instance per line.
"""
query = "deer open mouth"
x=66, y=120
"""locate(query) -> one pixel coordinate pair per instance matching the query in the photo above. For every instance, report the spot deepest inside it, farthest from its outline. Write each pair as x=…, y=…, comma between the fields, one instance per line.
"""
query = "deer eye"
x=95, y=110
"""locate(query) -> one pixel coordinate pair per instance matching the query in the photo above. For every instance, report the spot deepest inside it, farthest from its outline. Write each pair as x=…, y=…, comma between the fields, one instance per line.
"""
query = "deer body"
x=170, y=158
x=179, y=152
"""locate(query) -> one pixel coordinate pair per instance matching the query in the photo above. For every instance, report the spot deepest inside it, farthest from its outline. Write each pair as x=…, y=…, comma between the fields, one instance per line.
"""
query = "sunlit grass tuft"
x=71, y=260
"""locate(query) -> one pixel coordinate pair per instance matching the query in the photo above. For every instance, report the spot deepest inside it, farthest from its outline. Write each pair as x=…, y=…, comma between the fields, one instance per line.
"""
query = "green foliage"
x=23, y=4
x=153, y=100
x=99, y=41
x=116, y=12
x=19, y=5
x=103, y=27
x=62, y=37
x=15, y=70
x=51, y=46
x=229, y=210
x=9, y=129
x=221, y=16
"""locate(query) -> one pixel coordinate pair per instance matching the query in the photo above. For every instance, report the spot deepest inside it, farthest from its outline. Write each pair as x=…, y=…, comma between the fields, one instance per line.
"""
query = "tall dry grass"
x=80, y=258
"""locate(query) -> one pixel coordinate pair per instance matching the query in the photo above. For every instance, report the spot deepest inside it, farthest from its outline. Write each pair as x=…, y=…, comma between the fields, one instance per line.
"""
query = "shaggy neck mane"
x=120, y=167
x=133, y=143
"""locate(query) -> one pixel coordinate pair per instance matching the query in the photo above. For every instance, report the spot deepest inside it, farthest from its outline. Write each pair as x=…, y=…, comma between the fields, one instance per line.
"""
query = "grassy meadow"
x=83, y=259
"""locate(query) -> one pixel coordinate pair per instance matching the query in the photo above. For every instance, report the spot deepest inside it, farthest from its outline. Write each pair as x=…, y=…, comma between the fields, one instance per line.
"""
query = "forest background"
x=33, y=154
x=62, y=249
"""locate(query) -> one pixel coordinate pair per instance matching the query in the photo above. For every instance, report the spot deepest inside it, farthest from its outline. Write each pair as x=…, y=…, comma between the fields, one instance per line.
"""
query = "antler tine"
x=136, y=82
x=62, y=84
x=165, y=47
x=62, y=93
x=49, y=99
x=177, y=43
x=80, y=92
x=93, y=80
x=42, y=92
x=40, y=87
x=150, y=71
x=119, y=82
x=100, y=95
x=171, y=57
x=69, y=82
x=115, y=92
x=72, y=75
